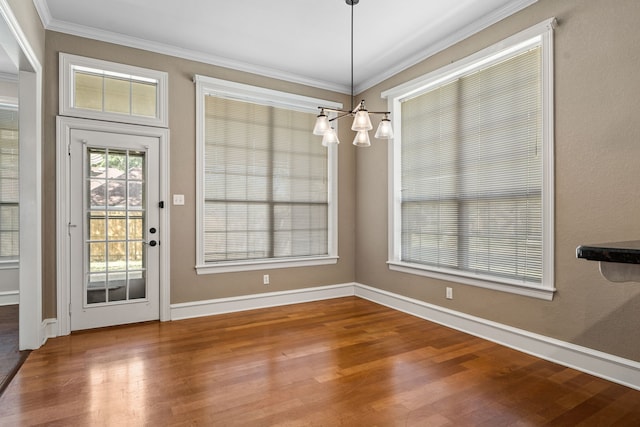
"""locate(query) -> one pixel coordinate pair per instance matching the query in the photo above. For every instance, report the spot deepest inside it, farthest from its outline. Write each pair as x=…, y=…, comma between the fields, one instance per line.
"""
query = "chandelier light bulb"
x=330, y=137
x=385, y=131
x=322, y=124
x=362, y=139
x=362, y=121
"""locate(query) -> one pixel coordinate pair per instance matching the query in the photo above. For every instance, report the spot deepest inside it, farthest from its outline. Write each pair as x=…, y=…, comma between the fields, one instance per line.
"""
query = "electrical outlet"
x=449, y=293
x=265, y=279
x=178, y=199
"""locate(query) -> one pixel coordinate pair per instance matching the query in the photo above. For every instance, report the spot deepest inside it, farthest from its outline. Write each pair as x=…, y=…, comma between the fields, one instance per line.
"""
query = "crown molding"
x=53, y=24
x=466, y=32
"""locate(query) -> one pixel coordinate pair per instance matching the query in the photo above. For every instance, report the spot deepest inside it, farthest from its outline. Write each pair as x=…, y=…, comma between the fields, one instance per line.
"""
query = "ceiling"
x=303, y=41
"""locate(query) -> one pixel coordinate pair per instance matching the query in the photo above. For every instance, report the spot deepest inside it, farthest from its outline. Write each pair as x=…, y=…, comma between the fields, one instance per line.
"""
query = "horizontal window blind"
x=9, y=174
x=471, y=172
x=265, y=183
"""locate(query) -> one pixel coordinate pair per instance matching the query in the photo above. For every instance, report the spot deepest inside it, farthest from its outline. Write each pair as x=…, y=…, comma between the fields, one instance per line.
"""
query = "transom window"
x=105, y=90
x=472, y=169
x=266, y=184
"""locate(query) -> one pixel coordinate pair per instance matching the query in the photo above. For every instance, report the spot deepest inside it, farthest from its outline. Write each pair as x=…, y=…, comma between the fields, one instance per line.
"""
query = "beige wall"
x=597, y=159
x=186, y=285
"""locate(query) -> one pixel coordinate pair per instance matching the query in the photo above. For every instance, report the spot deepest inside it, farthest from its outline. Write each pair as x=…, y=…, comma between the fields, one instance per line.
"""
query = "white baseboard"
x=9, y=297
x=603, y=365
x=255, y=301
x=48, y=329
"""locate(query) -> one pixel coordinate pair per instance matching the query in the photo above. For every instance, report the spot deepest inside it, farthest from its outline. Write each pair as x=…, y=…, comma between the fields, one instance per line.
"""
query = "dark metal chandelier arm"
x=344, y=114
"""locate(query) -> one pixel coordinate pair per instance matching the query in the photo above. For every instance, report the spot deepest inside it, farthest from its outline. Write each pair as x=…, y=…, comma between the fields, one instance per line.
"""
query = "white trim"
x=9, y=298
x=111, y=37
x=30, y=276
x=484, y=282
x=255, y=301
x=263, y=264
x=612, y=368
x=243, y=92
x=67, y=87
x=10, y=265
x=456, y=68
x=48, y=329
x=206, y=86
x=454, y=38
x=52, y=24
x=63, y=169
x=540, y=34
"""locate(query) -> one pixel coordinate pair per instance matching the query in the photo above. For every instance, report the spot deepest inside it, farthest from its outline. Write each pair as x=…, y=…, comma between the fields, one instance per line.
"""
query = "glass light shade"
x=330, y=137
x=362, y=139
x=361, y=121
x=322, y=125
x=385, y=131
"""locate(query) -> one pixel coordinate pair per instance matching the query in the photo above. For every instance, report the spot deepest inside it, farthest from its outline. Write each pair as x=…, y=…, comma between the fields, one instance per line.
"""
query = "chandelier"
x=361, y=116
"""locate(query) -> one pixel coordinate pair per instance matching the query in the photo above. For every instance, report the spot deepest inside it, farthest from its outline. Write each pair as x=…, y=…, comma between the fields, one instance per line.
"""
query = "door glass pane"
x=97, y=256
x=115, y=230
x=97, y=226
x=116, y=174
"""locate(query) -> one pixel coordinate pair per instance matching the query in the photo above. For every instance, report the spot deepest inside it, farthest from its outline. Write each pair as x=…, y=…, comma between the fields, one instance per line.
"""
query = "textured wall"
x=597, y=154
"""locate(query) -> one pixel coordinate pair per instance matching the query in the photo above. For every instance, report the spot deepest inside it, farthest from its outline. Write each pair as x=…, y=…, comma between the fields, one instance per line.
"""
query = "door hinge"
x=69, y=309
x=161, y=205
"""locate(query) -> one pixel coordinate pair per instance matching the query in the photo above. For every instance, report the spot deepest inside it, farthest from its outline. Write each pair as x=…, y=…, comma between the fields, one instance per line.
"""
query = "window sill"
x=239, y=266
x=540, y=292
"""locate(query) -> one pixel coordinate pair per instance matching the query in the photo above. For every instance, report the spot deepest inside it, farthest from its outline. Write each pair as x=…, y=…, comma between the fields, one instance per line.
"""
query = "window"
x=9, y=174
x=266, y=185
x=104, y=90
x=472, y=169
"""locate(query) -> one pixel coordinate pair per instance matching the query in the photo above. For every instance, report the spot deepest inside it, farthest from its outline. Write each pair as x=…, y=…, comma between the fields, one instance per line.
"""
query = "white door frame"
x=31, y=328
x=63, y=170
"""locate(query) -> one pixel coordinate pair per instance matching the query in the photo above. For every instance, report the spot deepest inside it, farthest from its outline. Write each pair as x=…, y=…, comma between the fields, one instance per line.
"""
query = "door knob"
x=152, y=243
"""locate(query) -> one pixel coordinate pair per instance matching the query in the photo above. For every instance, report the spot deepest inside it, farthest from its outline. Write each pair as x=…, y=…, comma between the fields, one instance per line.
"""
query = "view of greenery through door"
x=115, y=218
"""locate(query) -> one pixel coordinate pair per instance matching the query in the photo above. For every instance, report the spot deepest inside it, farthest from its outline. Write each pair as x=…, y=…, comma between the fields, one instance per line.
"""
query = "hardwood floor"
x=10, y=357
x=345, y=361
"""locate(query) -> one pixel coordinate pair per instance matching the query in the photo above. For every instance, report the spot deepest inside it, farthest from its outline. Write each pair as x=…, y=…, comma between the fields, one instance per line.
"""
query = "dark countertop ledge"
x=622, y=252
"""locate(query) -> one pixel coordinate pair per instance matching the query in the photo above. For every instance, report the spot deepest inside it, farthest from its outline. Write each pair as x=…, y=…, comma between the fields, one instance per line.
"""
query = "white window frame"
x=542, y=35
x=242, y=92
x=67, y=87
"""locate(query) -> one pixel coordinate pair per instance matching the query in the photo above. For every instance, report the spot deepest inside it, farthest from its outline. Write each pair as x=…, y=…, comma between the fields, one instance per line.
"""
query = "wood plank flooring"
x=340, y=362
x=10, y=357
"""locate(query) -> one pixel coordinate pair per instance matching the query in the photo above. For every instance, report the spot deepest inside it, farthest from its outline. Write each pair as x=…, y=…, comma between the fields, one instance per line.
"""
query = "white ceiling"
x=304, y=41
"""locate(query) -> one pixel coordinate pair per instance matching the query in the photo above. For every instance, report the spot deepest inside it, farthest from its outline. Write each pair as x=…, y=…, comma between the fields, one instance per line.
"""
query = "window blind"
x=265, y=183
x=9, y=174
x=471, y=172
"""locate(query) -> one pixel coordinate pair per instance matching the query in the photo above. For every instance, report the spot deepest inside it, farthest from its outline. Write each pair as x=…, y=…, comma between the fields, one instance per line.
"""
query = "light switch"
x=178, y=199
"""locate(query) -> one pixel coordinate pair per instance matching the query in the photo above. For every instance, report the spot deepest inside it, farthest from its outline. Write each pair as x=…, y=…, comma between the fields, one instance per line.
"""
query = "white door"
x=113, y=227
